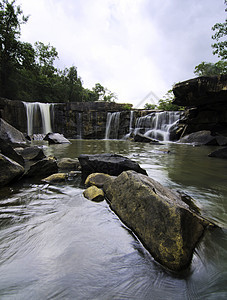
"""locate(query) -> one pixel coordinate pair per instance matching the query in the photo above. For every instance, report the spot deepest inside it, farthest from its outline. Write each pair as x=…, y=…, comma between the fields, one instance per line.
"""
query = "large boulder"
x=7, y=150
x=165, y=224
x=43, y=168
x=11, y=134
x=108, y=163
x=9, y=170
x=202, y=137
x=31, y=153
x=56, y=138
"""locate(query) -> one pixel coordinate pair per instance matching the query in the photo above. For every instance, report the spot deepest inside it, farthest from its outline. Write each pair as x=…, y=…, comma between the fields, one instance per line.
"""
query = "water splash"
x=157, y=125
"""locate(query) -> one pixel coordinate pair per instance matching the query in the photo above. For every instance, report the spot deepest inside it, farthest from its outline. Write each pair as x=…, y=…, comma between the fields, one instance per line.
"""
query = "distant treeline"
x=27, y=72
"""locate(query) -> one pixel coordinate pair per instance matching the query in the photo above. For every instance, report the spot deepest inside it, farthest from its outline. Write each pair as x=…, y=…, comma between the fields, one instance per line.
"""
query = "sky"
x=134, y=48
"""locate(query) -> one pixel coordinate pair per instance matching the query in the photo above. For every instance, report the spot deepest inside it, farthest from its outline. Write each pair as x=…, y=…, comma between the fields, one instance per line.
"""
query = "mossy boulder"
x=97, y=179
x=164, y=223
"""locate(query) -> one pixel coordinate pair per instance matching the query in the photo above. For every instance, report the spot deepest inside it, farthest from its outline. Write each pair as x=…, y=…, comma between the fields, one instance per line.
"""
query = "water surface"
x=55, y=244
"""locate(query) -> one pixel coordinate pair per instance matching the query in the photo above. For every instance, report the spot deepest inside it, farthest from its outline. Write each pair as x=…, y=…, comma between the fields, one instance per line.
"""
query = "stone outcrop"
x=138, y=137
x=108, y=163
x=206, y=100
x=9, y=170
x=165, y=224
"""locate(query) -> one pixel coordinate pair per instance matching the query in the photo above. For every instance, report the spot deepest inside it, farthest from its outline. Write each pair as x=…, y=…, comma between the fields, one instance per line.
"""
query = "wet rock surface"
x=56, y=138
x=164, y=223
x=107, y=163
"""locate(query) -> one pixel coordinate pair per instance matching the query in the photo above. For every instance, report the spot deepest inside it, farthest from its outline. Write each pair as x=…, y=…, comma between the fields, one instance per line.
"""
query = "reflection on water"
x=55, y=244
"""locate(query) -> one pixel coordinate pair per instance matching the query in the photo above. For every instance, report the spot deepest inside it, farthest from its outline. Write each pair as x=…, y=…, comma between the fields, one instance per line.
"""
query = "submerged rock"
x=93, y=193
x=164, y=223
x=107, y=163
x=42, y=168
x=220, y=153
x=11, y=134
x=9, y=170
x=138, y=137
x=56, y=138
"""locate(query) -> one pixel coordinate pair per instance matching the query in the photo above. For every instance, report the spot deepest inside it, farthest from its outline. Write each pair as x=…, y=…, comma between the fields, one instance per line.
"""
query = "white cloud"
x=130, y=47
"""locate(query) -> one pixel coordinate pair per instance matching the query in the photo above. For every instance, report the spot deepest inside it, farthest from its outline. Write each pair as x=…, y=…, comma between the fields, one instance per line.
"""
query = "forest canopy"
x=28, y=73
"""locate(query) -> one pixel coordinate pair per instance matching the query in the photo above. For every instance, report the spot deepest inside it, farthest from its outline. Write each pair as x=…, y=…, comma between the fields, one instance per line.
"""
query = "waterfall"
x=157, y=125
x=32, y=109
x=79, y=125
x=130, y=125
x=112, y=125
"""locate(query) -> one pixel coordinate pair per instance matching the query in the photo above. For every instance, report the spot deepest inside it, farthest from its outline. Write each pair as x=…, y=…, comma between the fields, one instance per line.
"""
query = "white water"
x=112, y=125
x=157, y=125
x=32, y=109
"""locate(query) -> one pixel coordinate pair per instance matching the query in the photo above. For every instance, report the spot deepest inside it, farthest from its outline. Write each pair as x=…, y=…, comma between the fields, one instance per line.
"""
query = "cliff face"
x=206, y=102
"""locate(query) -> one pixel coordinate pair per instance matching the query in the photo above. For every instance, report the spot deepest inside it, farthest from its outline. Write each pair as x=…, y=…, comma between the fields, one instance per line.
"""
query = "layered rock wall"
x=206, y=102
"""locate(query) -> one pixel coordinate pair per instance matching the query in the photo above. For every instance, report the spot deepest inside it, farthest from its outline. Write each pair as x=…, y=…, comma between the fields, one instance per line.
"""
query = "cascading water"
x=32, y=109
x=130, y=125
x=157, y=125
x=79, y=125
x=112, y=125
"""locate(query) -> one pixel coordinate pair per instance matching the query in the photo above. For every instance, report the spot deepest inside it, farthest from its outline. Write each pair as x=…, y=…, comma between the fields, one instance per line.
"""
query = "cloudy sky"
x=131, y=47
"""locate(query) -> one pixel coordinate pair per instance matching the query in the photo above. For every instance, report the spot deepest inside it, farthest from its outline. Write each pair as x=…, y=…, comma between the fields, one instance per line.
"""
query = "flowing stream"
x=55, y=244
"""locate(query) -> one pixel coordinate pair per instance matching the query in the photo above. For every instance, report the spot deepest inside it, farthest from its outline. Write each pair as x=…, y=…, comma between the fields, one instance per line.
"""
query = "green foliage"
x=211, y=69
x=28, y=73
x=220, y=48
x=150, y=106
x=167, y=102
x=127, y=107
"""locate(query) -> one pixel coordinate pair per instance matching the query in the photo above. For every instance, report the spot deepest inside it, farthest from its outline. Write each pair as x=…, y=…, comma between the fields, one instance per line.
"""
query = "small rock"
x=69, y=164
x=93, y=193
x=97, y=179
x=56, y=178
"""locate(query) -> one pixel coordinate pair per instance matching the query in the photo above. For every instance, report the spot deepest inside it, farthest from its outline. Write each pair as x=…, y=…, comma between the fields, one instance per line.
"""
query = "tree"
x=103, y=94
x=167, y=102
x=11, y=19
x=220, y=48
x=45, y=57
x=150, y=106
x=211, y=69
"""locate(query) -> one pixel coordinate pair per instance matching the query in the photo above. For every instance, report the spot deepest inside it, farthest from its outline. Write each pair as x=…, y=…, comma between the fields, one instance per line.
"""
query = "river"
x=55, y=244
